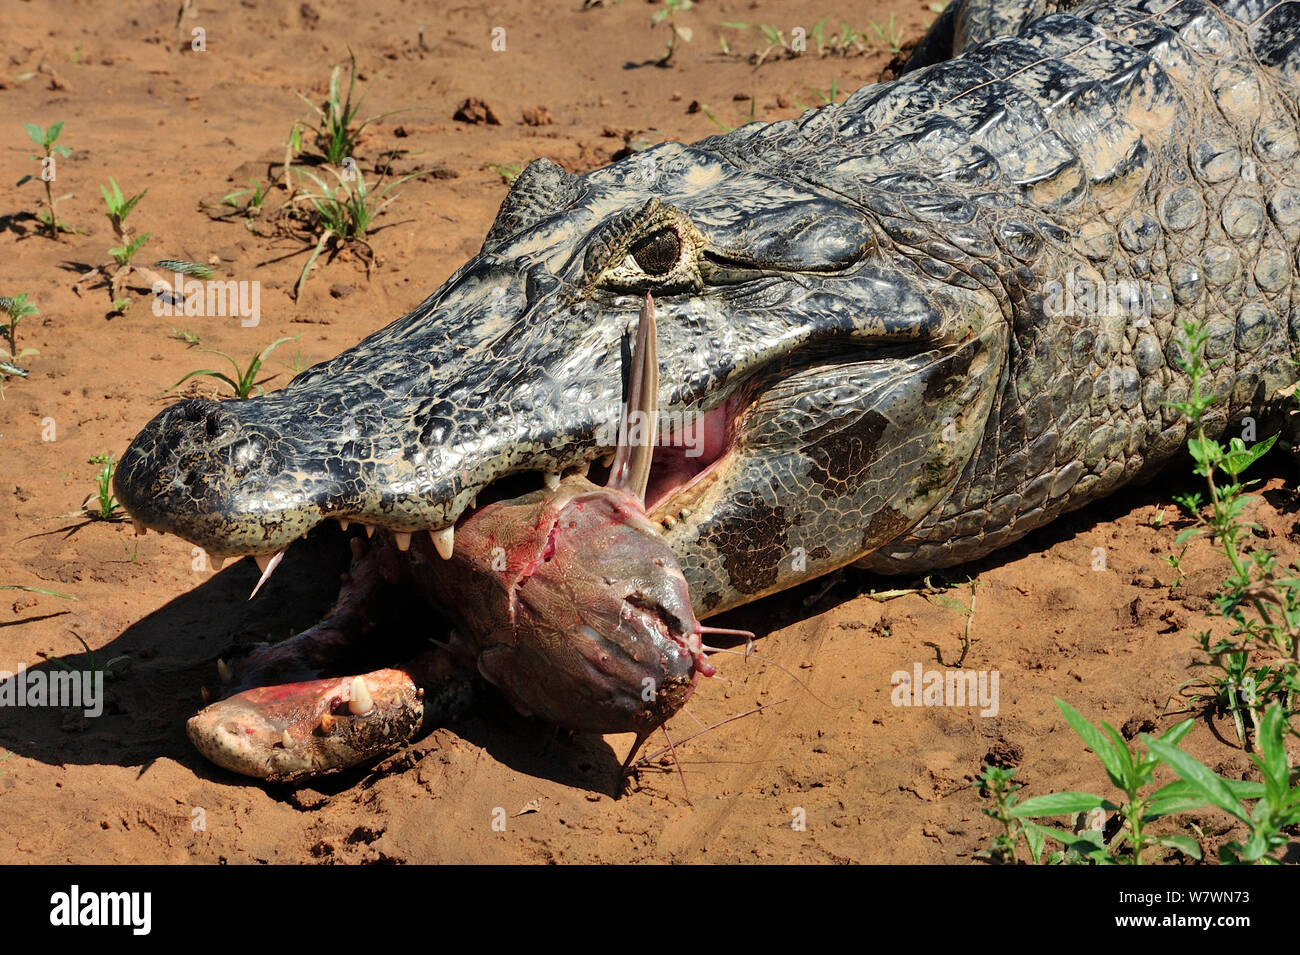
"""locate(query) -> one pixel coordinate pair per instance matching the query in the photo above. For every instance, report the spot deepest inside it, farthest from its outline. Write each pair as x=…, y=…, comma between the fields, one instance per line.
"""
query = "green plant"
x=1176, y=562
x=713, y=119
x=14, y=310
x=1130, y=772
x=118, y=274
x=119, y=207
x=186, y=336
x=1259, y=661
x=298, y=363
x=890, y=35
x=245, y=380
x=45, y=139
x=344, y=214
x=106, y=507
x=337, y=131
x=38, y=590
x=849, y=39
x=952, y=603
x=1277, y=808
x=292, y=147
x=847, y=42
x=256, y=196
x=998, y=784
x=826, y=98
x=106, y=669
x=123, y=254
x=669, y=12
x=507, y=171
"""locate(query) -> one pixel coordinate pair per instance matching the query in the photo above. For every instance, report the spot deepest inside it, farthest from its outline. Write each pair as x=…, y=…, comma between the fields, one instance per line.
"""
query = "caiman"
x=899, y=331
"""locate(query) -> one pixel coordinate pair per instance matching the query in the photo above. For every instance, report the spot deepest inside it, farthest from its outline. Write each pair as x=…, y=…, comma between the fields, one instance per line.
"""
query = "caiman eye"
x=657, y=254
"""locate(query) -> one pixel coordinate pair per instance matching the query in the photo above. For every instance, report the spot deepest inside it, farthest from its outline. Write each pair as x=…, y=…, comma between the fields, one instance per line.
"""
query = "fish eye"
x=658, y=253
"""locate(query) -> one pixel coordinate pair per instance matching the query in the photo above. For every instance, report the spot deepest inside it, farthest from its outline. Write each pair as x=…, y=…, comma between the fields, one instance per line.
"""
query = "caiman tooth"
x=403, y=540
x=286, y=740
x=224, y=671
x=343, y=524
x=370, y=530
x=473, y=503
x=359, y=701
x=551, y=479
x=268, y=563
x=607, y=459
x=583, y=470
x=444, y=540
x=140, y=529
x=216, y=562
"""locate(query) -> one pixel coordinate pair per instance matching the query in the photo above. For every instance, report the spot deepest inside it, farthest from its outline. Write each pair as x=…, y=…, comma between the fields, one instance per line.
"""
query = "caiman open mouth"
x=690, y=449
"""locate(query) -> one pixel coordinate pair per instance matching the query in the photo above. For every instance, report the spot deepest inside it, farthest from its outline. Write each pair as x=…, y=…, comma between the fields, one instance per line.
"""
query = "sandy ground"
x=828, y=771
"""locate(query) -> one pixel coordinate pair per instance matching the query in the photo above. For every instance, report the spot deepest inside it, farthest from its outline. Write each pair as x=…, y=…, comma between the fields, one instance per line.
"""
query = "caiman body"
x=905, y=330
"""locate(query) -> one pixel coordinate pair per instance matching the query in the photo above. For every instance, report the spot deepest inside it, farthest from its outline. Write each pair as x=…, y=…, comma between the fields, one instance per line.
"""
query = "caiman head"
x=820, y=392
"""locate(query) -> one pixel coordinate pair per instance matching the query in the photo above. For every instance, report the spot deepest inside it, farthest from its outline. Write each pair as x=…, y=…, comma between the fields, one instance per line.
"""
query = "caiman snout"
x=182, y=468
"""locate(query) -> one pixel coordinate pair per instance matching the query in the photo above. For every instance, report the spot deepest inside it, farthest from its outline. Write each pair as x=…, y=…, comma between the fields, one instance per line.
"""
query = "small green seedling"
x=298, y=364
x=48, y=158
x=708, y=112
x=344, y=214
x=186, y=336
x=118, y=274
x=245, y=382
x=847, y=42
x=507, y=171
x=12, y=311
x=123, y=254
x=105, y=506
x=292, y=147
x=119, y=207
x=338, y=132
x=826, y=98
x=890, y=36
x=998, y=784
x=669, y=12
x=38, y=590
x=106, y=670
x=252, y=207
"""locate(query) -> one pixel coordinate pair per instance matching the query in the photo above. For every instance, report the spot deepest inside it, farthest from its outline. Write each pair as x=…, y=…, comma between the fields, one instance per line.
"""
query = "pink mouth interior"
x=682, y=456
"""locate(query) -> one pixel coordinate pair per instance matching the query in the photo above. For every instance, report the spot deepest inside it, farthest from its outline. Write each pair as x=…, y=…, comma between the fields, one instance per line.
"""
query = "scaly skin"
x=864, y=298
